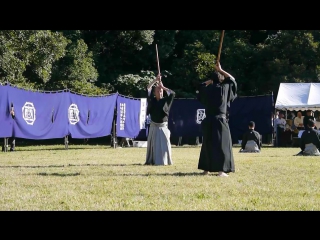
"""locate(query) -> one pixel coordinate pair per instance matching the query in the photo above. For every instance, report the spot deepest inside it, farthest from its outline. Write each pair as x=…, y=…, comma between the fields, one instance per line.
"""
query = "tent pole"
x=273, y=120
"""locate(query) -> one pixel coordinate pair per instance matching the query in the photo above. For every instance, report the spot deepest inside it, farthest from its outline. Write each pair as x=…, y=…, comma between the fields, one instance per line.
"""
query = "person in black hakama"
x=310, y=140
x=251, y=141
x=158, y=145
x=216, y=151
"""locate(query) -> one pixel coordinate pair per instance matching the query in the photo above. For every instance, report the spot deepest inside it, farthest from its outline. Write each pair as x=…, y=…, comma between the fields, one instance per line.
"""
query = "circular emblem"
x=73, y=114
x=29, y=113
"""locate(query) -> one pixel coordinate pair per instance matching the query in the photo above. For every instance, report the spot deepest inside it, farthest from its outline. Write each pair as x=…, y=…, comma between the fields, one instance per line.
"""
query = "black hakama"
x=216, y=151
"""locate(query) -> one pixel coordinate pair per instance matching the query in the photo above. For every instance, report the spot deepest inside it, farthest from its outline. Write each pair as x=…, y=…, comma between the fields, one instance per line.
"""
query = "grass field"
x=101, y=178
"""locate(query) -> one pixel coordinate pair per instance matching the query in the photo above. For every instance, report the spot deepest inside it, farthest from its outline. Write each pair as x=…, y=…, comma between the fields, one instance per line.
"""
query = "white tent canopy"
x=298, y=96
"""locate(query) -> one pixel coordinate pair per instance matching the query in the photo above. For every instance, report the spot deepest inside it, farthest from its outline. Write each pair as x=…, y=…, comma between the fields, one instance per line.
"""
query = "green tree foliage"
x=193, y=67
x=288, y=56
x=116, y=52
x=134, y=85
x=26, y=56
x=98, y=62
x=76, y=71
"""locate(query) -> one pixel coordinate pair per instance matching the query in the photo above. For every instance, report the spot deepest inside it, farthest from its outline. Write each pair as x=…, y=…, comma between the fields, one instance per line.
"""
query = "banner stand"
x=114, y=137
x=5, y=144
x=66, y=142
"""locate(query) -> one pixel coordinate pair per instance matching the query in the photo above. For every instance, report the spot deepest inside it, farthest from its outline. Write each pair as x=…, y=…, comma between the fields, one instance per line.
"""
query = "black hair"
x=216, y=77
x=251, y=124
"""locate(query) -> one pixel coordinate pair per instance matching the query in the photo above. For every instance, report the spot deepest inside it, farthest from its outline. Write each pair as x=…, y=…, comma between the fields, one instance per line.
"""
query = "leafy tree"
x=26, y=56
x=134, y=85
x=76, y=70
x=115, y=52
x=288, y=56
x=194, y=66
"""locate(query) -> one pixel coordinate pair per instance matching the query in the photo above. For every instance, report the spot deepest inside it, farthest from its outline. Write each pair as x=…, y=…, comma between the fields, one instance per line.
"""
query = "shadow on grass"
x=57, y=149
x=178, y=174
x=59, y=174
x=73, y=165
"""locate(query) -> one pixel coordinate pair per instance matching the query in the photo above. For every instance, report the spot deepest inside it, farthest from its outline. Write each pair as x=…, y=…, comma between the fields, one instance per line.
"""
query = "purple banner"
x=38, y=115
x=90, y=117
x=6, y=121
x=185, y=118
x=128, y=117
x=245, y=109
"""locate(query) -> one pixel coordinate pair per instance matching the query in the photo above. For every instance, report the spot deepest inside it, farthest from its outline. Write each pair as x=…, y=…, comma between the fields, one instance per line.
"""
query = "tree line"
x=96, y=62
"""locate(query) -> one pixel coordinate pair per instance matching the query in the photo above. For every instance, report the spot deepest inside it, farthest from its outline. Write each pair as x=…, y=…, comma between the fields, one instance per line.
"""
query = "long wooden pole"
x=158, y=59
x=220, y=46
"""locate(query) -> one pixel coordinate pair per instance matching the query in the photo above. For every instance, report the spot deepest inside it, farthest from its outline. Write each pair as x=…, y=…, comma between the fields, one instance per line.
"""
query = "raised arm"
x=224, y=73
x=157, y=79
x=169, y=91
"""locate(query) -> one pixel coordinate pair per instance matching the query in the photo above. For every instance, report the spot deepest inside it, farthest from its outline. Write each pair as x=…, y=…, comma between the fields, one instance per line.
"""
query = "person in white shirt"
x=279, y=125
x=298, y=121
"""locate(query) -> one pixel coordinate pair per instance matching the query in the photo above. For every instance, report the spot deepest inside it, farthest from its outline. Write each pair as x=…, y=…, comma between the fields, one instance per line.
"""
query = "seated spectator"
x=317, y=122
x=307, y=117
x=251, y=141
x=279, y=126
x=310, y=140
x=286, y=136
x=298, y=121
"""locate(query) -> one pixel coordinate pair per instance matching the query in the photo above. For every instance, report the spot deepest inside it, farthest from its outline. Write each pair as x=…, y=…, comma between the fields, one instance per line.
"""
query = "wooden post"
x=5, y=144
x=114, y=129
x=66, y=142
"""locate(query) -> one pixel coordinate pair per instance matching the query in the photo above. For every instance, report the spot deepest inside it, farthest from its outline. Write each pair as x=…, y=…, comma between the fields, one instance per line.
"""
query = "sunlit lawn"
x=89, y=177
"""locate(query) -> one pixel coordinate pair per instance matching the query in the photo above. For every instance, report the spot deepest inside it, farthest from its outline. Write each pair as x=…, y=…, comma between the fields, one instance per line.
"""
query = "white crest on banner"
x=122, y=115
x=29, y=113
x=73, y=114
x=143, y=113
x=201, y=114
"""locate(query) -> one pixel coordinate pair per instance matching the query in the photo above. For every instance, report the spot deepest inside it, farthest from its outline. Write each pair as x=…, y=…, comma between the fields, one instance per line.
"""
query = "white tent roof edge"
x=298, y=96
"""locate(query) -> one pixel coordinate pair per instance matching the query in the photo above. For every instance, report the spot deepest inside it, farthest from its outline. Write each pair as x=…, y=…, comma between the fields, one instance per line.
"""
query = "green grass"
x=101, y=178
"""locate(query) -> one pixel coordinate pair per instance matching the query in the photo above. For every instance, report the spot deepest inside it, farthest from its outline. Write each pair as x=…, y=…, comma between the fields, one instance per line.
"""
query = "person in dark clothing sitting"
x=307, y=117
x=286, y=137
x=251, y=141
x=310, y=140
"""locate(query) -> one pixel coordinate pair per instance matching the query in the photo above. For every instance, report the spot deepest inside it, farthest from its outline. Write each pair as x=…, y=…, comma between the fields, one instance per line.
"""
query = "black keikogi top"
x=159, y=110
x=309, y=136
x=251, y=134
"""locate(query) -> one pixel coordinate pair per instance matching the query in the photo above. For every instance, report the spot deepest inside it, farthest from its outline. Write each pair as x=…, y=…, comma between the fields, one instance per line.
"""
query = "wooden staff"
x=158, y=60
x=220, y=46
